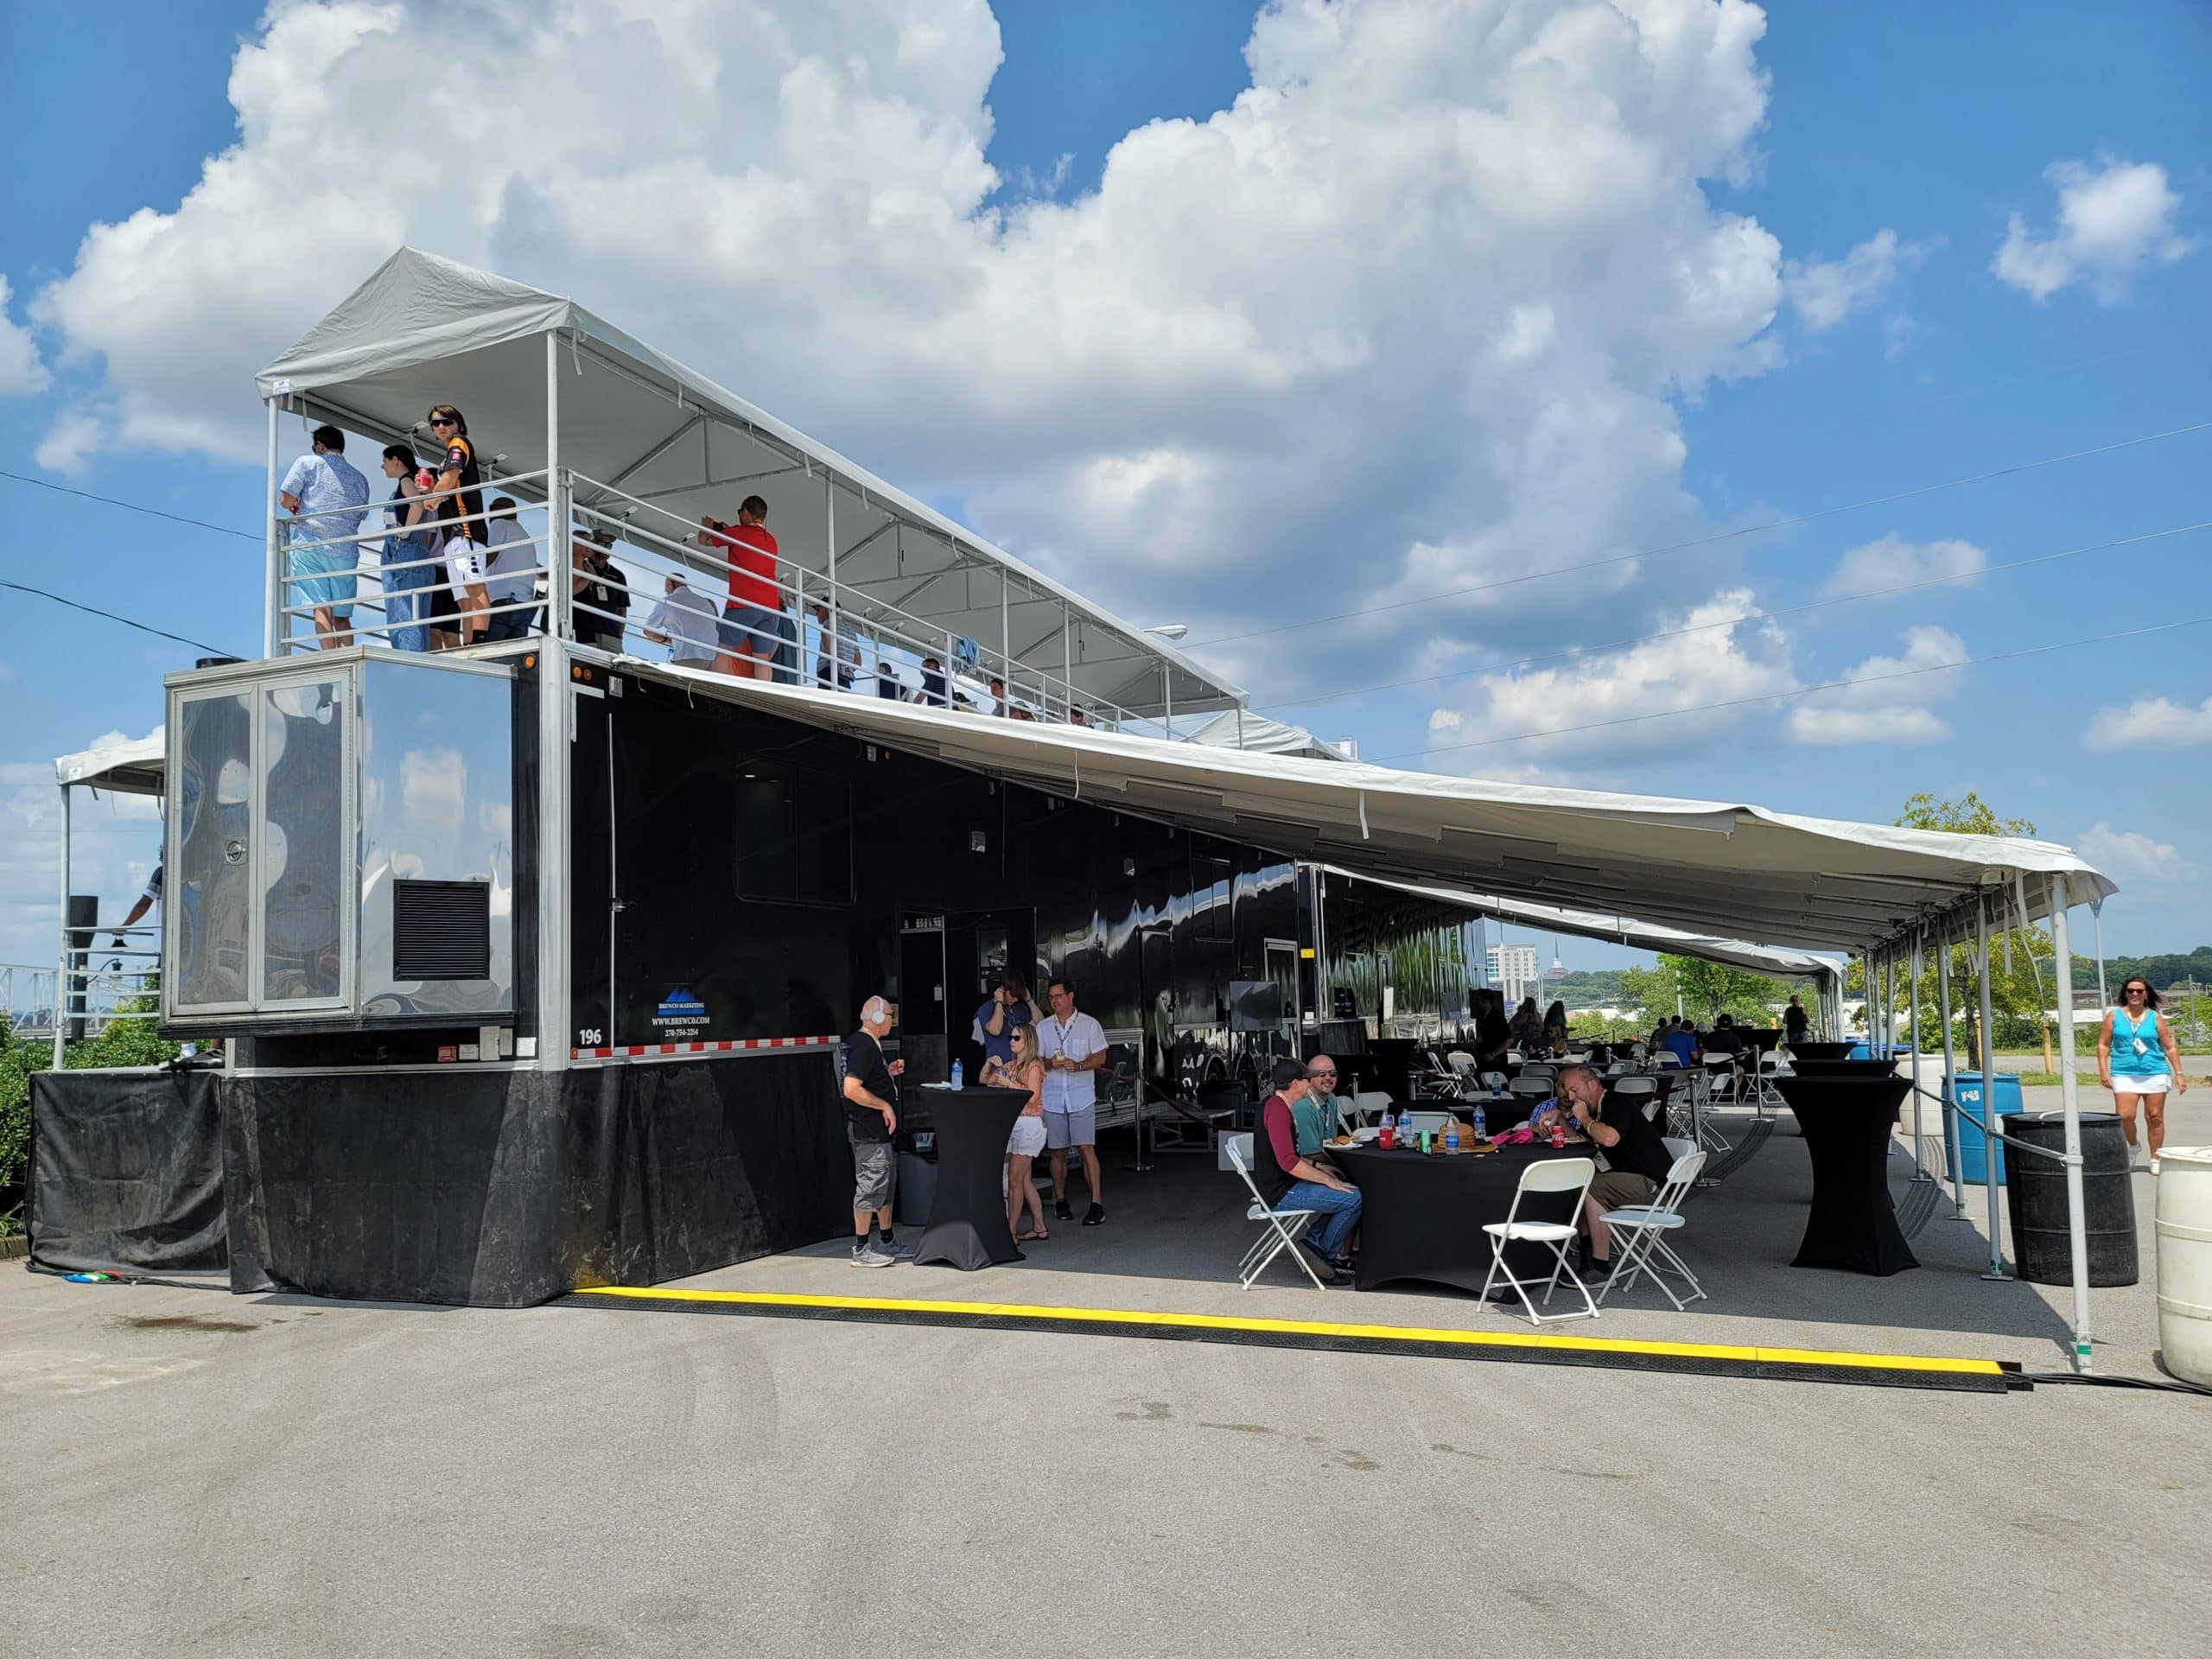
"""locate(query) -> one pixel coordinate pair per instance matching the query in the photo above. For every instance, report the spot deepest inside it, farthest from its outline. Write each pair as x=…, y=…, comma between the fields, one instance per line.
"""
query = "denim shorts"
x=749, y=628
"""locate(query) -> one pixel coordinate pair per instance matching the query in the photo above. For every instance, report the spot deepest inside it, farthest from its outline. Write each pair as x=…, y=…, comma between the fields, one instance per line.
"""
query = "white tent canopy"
x=1242, y=729
x=1720, y=868
x=132, y=768
x=642, y=427
x=1646, y=936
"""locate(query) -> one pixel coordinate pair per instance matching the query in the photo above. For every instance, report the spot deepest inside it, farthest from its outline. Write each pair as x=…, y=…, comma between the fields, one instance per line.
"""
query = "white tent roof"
x=1725, y=869
x=1624, y=929
x=132, y=768
x=1256, y=732
x=424, y=330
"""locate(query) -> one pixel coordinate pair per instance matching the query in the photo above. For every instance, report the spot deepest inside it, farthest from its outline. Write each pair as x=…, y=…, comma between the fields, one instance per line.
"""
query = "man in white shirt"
x=1073, y=1046
x=510, y=574
x=684, y=622
x=321, y=490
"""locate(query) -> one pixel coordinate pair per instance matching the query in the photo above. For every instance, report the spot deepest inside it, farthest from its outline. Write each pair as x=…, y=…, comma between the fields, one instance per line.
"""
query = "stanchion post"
x=2077, y=1237
x=1990, y=1143
x=1950, y=1070
x=1919, y=1170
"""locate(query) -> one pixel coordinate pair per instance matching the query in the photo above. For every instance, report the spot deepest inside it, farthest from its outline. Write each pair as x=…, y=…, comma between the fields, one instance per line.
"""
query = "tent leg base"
x=1997, y=1276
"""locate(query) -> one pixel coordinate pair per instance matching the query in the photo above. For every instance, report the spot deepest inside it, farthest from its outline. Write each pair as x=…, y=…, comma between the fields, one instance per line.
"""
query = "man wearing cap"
x=871, y=1092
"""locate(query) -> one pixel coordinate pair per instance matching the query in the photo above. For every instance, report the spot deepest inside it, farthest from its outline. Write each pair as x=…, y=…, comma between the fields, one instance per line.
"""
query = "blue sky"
x=1922, y=120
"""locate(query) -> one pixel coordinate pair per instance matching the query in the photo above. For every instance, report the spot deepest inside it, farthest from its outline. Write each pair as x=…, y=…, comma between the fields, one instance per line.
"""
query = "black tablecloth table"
x=1847, y=1123
x=1422, y=1216
x=967, y=1227
x=1809, y=1050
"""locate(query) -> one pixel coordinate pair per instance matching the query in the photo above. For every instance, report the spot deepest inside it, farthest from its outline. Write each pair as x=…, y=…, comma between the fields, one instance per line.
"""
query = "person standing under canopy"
x=2139, y=1060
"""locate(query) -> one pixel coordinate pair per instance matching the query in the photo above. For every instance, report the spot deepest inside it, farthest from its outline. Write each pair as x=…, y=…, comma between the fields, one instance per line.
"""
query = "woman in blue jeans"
x=406, y=606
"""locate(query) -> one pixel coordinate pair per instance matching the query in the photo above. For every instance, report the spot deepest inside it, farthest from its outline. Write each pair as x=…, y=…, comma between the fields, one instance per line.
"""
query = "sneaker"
x=890, y=1247
x=1096, y=1214
x=869, y=1257
x=1060, y=1211
x=1323, y=1269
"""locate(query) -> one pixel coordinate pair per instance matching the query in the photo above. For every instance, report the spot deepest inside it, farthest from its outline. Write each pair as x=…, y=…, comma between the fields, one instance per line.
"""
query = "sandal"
x=1031, y=1238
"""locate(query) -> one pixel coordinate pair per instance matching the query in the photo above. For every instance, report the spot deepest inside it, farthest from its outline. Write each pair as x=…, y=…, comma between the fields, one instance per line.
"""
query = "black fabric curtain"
x=126, y=1173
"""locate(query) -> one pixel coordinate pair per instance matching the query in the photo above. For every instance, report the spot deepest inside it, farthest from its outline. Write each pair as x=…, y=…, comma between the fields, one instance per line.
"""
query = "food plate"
x=1364, y=1137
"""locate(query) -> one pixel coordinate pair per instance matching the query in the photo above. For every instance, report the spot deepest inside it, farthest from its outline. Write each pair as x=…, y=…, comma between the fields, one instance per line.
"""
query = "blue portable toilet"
x=1968, y=1095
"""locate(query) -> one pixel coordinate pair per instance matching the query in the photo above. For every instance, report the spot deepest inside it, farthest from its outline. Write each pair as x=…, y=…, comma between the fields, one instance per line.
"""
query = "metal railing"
x=858, y=642
x=101, y=970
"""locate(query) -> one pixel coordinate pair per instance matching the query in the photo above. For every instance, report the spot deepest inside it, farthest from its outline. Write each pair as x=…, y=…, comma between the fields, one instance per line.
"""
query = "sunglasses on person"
x=1311, y=1075
x=442, y=423
x=2135, y=990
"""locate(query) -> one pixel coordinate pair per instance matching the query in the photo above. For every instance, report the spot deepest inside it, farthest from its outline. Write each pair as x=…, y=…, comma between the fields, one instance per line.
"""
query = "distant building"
x=1513, y=971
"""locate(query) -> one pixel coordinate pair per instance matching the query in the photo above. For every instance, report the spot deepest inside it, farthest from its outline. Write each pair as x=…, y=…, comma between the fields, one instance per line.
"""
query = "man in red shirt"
x=748, y=632
x=1287, y=1182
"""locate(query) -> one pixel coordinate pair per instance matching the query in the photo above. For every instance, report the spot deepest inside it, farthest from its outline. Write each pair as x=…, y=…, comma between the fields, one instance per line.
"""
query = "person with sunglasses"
x=2139, y=1060
x=457, y=510
x=1315, y=1117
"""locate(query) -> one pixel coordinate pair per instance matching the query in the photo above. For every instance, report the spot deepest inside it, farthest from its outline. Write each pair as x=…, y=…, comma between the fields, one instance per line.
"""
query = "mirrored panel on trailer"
x=210, y=877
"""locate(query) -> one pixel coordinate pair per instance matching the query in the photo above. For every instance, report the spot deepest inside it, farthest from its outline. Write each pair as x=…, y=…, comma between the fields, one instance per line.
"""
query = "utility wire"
x=114, y=501
x=1805, y=691
x=1592, y=652
x=94, y=610
x=1705, y=541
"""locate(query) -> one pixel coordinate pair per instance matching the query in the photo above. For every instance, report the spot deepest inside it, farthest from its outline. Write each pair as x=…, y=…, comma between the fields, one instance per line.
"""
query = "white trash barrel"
x=2184, y=1230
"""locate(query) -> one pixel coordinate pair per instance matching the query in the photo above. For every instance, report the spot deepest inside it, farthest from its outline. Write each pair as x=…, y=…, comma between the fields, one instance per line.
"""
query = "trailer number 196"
x=588, y=1036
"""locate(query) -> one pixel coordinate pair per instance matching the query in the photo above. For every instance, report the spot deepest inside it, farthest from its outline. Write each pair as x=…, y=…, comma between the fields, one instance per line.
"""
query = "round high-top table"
x=1847, y=1123
x=1421, y=1215
x=1809, y=1050
x=967, y=1227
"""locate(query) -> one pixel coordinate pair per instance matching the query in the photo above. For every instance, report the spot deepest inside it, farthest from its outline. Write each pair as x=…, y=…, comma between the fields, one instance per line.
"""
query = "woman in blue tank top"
x=2137, y=1059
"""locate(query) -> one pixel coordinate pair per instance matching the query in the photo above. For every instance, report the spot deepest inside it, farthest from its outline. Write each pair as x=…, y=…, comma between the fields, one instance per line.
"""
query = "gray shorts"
x=1066, y=1129
x=875, y=1167
x=748, y=628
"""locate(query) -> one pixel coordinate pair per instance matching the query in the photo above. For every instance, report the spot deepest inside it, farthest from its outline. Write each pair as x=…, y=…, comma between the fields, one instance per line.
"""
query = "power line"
x=1805, y=691
x=94, y=610
x=1591, y=652
x=1705, y=541
x=115, y=501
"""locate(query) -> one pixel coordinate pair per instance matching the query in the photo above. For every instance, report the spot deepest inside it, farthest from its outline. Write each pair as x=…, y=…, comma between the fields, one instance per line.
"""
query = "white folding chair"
x=1678, y=1146
x=1435, y=1123
x=1549, y=1175
x=1644, y=1089
x=1368, y=1105
x=1546, y=1075
x=1493, y=1081
x=1667, y=1060
x=1639, y=1232
x=1281, y=1228
x=1461, y=1062
x=1764, y=1095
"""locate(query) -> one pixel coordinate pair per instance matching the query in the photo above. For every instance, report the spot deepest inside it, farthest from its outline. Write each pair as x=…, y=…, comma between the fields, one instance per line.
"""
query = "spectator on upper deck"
x=406, y=570
x=601, y=602
x=1076, y=717
x=458, y=509
x=318, y=489
x=846, y=657
x=510, y=565
x=998, y=696
x=933, y=682
x=685, y=622
x=749, y=633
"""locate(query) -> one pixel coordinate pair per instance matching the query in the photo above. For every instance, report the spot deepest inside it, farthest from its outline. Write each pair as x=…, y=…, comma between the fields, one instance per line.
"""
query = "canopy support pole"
x=1067, y=663
x=1991, y=1145
x=829, y=541
x=1167, y=697
x=556, y=703
x=1919, y=1170
x=67, y=959
x=1950, y=1070
x=1006, y=641
x=2077, y=1234
x=273, y=620
x=2097, y=933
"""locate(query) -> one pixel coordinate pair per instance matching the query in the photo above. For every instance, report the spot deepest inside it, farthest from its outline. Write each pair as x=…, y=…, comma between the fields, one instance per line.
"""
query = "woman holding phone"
x=1026, y=1070
x=2139, y=1060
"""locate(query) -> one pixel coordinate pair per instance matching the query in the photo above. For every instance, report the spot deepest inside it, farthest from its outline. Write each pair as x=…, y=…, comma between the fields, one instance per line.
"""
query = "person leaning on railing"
x=406, y=572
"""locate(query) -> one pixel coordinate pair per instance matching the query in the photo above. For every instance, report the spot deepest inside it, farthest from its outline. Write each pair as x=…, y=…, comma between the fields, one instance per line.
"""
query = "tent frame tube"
x=556, y=709
x=1950, y=1069
x=2077, y=1235
x=274, y=622
x=1919, y=1169
x=61, y=984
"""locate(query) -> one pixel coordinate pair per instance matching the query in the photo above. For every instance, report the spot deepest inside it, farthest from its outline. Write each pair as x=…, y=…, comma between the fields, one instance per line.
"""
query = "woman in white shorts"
x=1025, y=1070
x=2137, y=1059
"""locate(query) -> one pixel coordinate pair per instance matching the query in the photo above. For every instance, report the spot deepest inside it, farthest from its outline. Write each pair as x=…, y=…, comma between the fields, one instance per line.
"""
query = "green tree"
x=1705, y=989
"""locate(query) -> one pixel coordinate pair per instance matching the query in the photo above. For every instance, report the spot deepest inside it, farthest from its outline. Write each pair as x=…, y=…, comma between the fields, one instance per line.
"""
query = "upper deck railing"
x=387, y=573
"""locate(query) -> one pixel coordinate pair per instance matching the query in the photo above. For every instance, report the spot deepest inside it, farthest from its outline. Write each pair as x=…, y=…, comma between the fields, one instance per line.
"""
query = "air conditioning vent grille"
x=440, y=929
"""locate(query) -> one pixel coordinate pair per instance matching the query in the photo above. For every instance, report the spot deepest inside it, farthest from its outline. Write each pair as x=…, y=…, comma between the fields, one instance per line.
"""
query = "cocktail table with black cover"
x=1812, y=1051
x=966, y=1228
x=1422, y=1216
x=1847, y=1123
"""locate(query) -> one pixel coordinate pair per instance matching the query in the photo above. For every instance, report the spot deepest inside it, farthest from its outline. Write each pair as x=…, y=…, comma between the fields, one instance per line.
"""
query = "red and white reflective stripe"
x=647, y=1051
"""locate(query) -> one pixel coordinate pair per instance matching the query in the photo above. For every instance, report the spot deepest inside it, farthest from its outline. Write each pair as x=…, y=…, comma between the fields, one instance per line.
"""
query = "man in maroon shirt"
x=1287, y=1182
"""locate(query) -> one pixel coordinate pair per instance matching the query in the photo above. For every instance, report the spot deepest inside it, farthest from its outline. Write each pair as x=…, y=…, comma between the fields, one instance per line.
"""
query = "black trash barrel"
x=2036, y=1198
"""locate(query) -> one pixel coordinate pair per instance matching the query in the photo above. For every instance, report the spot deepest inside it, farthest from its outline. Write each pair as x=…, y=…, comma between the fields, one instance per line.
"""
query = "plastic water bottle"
x=955, y=1074
x=1452, y=1135
x=1482, y=1124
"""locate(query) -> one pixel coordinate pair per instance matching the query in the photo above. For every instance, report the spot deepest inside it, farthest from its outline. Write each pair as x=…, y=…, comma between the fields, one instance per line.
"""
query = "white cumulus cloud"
x=1885, y=699
x=2152, y=722
x=2112, y=221
x=2129, y=853
x=1889, y=562
x=1724, y=651
x=1414, y=312
x=68, y=443
x=1823, y=292
x=22, y=371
